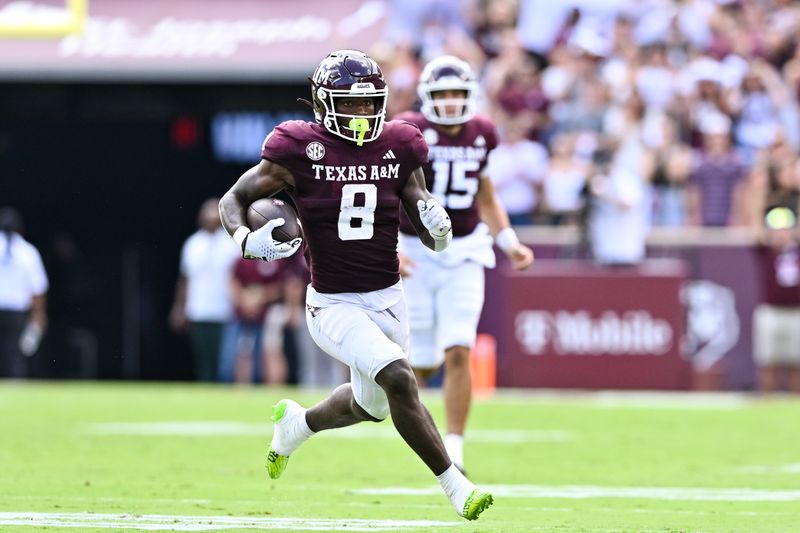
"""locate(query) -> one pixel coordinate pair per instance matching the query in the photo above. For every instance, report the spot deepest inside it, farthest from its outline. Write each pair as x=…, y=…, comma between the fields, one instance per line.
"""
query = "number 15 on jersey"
x=463, y=188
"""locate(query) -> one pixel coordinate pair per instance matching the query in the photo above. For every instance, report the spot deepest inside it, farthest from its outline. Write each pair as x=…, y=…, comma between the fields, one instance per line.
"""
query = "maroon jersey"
x=348, y=199
x=453, y=171
x=780, y=275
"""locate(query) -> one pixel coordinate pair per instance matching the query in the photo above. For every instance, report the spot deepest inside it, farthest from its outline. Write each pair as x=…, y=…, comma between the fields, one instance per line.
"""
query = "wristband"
x=240, y=235
x=440, y=243
x=506, y=239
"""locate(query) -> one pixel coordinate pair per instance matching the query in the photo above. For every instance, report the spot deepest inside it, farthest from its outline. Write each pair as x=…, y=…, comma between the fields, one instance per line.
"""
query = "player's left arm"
x=494, y=215
x=428, y=217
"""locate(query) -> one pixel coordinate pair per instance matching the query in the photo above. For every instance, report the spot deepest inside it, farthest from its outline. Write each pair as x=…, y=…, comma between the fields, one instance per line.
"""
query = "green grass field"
x=161, y=457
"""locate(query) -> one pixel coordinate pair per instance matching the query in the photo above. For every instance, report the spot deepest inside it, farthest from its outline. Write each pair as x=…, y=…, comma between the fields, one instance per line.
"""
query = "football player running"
x=445, y=291
x=348, y=173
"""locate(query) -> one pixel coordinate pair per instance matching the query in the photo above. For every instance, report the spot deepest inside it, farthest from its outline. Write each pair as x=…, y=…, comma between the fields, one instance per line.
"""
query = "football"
x=263, y=210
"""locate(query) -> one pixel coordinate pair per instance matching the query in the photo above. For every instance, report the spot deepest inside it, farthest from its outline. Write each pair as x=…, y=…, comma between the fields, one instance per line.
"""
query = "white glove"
x=437, y=221
x=435, y=218
x=259, y=244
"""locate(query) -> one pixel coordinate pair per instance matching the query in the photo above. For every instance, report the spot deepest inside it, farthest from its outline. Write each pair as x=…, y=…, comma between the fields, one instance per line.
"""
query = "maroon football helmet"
x=447, y=73
x=348, y=74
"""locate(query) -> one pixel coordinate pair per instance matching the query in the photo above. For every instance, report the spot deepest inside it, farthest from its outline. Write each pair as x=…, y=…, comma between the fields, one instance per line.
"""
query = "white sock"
x=291, y=431
x=456, y=487
x=454, y=444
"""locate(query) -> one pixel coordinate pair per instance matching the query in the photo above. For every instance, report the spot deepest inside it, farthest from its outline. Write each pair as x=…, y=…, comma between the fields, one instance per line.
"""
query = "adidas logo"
x=389, y=155
x=272, y=457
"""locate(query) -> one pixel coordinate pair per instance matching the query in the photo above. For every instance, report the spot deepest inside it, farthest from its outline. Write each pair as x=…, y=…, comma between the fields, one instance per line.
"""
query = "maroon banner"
x=183, y=39
x=718, y=296
x=569, y=324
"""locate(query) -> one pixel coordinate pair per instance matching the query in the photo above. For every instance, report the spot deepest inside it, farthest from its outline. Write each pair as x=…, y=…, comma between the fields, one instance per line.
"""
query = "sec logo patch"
x=315, y=151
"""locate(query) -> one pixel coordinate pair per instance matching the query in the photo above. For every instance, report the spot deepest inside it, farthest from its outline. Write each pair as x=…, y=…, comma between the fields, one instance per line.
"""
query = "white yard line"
x=364, y=431
x=209, y=523
x=667, y=400
x=665, y=510
x=792, y=468
x=612, y=399
x=589, y=492
x=123, y=499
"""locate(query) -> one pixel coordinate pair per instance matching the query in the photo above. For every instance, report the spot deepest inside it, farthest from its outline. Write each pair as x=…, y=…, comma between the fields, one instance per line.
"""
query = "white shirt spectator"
x=655, y=84
x=562, y=189
x=515, y=170
x=620, y=219
x=206, y=261
x=539, y=23
x=22, y=274
x=694, y=22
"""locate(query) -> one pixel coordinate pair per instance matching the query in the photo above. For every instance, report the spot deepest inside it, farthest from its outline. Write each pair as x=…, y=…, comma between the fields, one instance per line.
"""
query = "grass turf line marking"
x=613, y=399
x=589, y=492
x=208, y=523
x=226, y=428
x=792, y=468
x=640, y=510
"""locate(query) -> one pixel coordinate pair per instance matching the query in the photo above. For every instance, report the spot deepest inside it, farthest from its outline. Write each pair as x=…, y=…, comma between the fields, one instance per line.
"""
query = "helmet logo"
x=315, y=151
x=322, y=75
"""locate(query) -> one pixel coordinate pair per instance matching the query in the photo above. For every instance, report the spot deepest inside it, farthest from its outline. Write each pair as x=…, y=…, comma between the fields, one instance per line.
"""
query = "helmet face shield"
x=349, y=74
x=448, y=110
x=359, y=128
x=448, y=73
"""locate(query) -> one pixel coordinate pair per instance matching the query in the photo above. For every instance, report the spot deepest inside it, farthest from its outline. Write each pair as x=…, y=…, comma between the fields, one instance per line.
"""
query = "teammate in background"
x=445, y=291
x=348, y=173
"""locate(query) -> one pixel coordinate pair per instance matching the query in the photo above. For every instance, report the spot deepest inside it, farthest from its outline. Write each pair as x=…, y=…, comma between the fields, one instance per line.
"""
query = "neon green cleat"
x=276, y=463
x=477, y=503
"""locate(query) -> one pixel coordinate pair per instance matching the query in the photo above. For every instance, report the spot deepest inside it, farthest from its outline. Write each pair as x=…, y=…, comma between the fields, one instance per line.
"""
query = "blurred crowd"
x=658, y=112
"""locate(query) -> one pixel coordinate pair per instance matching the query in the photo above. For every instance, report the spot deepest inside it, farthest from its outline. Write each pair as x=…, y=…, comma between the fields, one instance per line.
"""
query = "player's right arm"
x=494, y=215
x=260, y=181
x=428, y=217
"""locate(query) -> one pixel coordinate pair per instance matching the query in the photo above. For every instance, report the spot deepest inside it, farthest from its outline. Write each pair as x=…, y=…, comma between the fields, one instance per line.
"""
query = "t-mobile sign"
x=634, y=332
x=590, y=327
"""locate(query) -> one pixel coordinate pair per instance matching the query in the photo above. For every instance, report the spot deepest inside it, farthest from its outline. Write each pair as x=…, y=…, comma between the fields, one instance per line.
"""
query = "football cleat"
x=477, y=503
x=276, y=463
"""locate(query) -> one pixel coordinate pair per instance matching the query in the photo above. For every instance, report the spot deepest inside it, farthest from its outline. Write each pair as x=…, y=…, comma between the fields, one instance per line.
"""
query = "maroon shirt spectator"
x=717, y=176
x=780, y=275
x=257, y=285
x=716, y=179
